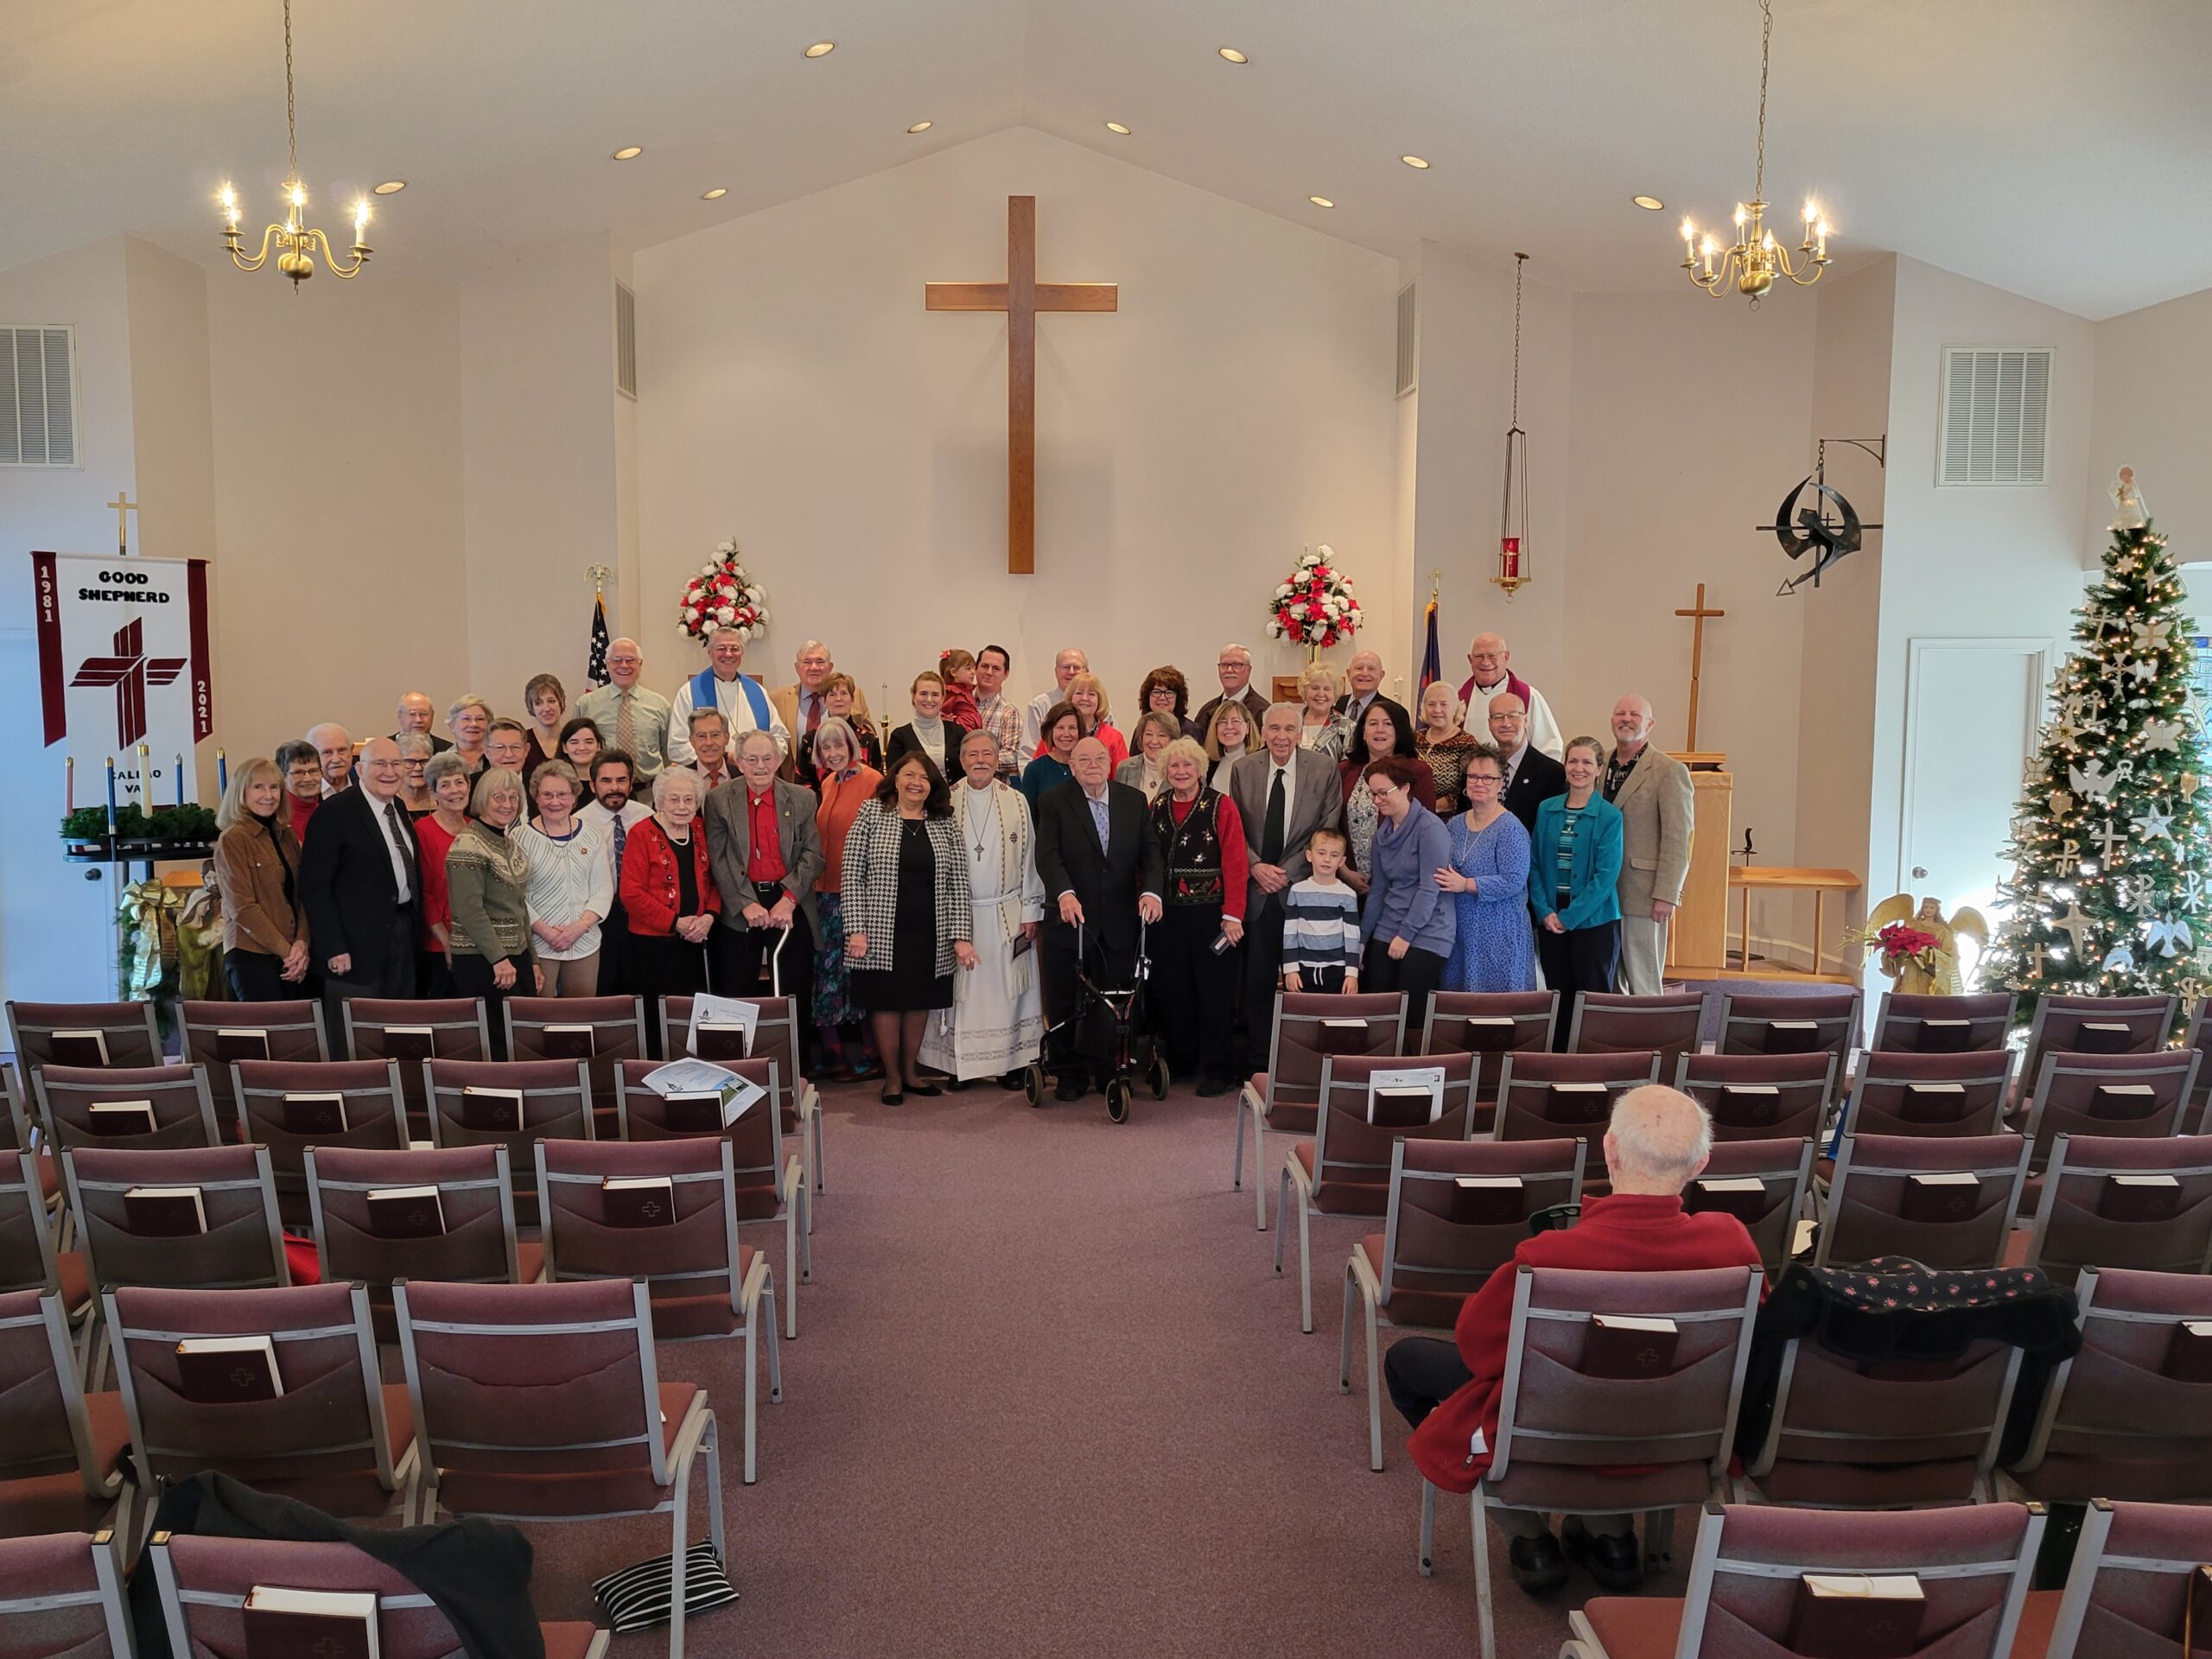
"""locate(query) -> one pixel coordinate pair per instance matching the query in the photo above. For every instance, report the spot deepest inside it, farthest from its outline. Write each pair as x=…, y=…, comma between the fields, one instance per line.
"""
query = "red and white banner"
x=122, y=662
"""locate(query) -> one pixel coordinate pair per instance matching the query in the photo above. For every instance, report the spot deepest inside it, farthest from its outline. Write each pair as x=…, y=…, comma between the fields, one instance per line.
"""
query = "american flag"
x=597, y=671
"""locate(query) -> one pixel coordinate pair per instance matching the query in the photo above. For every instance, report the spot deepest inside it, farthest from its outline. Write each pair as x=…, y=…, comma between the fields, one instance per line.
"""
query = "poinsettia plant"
x=723, y=596
x=1315, y=606
x=1899, y=942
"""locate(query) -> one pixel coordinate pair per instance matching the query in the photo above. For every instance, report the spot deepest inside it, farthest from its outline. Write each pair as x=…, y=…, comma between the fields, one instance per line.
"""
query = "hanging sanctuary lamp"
x=1513, y=565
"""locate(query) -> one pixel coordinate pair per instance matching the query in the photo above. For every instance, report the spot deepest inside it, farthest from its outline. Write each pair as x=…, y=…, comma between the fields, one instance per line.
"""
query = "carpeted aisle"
x=1049, y=1398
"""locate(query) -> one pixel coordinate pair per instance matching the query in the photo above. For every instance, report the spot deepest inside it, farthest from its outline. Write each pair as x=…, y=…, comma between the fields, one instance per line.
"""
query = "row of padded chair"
x=541, y=1402
x=63, y=1593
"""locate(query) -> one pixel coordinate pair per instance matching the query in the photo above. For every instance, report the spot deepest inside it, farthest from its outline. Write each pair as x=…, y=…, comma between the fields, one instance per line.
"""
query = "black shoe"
x=894, y=1097
x=956, y=1085
x=1018, y=1078
x=1537, y=1566
x=926, y=1090
x=1071, y=1087
x=1612, y=1558
x=1213, y=1088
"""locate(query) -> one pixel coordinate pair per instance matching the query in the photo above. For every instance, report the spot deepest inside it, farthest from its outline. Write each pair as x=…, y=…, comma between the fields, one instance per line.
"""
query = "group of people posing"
x=930, y=895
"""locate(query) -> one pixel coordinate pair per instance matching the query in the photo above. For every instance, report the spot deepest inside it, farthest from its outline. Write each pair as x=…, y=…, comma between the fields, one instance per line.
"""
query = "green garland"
x=190, y=824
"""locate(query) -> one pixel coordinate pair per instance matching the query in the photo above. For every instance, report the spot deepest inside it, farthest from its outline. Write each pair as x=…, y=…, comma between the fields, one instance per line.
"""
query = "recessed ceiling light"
x=714, y=194
x=1116, y=127
x=1415, y=161
x=1320, y=201
x=391, y=186
x=1233, y=55
x=921, y=126
x=629, y=152
x=821, y=48
x=1652, y=203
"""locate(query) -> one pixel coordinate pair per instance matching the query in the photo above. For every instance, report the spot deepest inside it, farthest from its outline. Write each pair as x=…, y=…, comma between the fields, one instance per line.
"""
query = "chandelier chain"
x=1766, y=55
x=1520, y=265
x=291, y=129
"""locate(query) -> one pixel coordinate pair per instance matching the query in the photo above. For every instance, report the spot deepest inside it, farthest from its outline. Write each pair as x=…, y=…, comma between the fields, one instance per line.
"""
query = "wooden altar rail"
x=1782, y=879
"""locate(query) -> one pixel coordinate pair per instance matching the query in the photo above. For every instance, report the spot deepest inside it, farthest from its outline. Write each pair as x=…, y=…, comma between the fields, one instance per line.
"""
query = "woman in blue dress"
x=1496, y=950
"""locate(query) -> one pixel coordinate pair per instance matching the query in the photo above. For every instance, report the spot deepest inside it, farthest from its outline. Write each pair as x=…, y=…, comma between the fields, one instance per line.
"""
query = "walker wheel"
x=1033, y=1083
x=1118, y=1100
x=1157, y=1073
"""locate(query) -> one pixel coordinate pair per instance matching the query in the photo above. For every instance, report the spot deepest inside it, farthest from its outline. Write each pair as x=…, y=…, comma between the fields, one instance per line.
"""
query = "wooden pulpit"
x=1697, y=942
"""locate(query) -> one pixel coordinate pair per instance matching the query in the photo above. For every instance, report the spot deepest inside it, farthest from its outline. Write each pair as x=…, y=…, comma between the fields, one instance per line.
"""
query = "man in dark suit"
x=1283, y=794
x=1364, y=674
x=360, y=884
x=767, y=880
x=1235, y=668
x=1102, y=871
x=415, y=714
x=1531, y=776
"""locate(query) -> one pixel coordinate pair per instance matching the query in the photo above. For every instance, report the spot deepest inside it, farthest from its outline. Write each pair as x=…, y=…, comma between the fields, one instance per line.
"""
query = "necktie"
x=1271, y=833
x=623, y=731
x=1098, y=817
x=813, y=715
x=400, y=845
x=621, y=835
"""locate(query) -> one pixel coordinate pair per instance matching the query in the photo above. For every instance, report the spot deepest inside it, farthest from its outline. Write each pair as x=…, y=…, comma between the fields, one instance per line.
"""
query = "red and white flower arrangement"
x=1315, y=608
x=723, y=596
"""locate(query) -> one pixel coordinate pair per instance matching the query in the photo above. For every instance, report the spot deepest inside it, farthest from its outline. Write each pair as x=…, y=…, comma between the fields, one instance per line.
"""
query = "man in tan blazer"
x=799, y=706
x=1653, y=792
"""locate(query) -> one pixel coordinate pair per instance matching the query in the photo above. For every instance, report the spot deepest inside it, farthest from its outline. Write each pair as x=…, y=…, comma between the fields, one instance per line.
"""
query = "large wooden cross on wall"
x=1021, y=296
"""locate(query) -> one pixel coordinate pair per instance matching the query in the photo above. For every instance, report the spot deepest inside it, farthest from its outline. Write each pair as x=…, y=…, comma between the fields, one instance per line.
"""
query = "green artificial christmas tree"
x=2111, y=860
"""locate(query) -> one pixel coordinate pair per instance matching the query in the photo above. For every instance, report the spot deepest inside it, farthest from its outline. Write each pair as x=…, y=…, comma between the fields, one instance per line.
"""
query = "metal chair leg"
x=1482, y=1609
x=1374, y=1390
x=1428, y=1530
x=1343, y=1348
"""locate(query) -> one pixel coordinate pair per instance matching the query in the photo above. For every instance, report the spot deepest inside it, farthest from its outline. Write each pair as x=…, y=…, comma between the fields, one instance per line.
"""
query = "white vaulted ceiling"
x=2061, y=148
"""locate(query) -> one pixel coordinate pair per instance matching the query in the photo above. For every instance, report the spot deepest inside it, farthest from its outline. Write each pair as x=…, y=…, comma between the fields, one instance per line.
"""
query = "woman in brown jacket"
x=257, y=867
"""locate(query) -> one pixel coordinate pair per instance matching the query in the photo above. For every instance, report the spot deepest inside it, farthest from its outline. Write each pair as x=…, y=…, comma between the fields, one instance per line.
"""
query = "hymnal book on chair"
x=720, y=1042
x=723, y=1027
x=410, y=1042
x=638, y=1201
x=282, y=1624
x=122, y=1118
x=315, y=1114
x=2189, y=1357
x=2123, y=1101
x=1945, y=1036
x=1488, y=1200
x=77, y=1047
x=233, y=1044
x=1942, y=1195
x=1792, y=1036
x=1340, y=1036
x=696, y=1080
x=697, y=1112
x=1577, y=1102
x=1932, y=1103
x=2139, y=1197
x=1405, y=1097
x=1848, y=1615
x=1489, y=1034
x=1747, y=1105
x=228, y=1370
x=1624, y=1348
x=490, y=1111
x=565, y=1042
x=1741, y=1196
x=164, y=1212
x=2104, y=1037
x=406, y=1212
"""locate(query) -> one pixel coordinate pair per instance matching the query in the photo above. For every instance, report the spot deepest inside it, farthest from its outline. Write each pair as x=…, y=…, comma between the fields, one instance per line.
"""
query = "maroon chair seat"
x=1307, y=1029
x=61, y=1451
x=1605, y=1023
x=62, y=1597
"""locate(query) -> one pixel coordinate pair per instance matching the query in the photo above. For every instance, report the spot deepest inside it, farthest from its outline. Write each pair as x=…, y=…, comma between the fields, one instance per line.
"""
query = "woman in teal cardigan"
x=1574, y=870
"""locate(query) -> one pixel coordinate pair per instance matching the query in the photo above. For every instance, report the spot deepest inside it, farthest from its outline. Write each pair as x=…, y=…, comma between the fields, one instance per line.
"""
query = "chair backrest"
x=26, y=1259
x=556, y=1105
x=1556, y=1422
x=1784, y=1169
x=184, y=1112
x=1607, y=1023
x=443, y=1028
x=1490, y=1023
x=1805, y=1022
x=561, y=1027
x=2128, y=1591
x=2109, y=1094
x=1902, y=1092
x=475, y=1209
x=16, y=1133
x=2197, y=1039
x=688, y=1261
x=204, y=1581
x=756, y=1138
x=285, y=1106
x=523, y=1389
x=1911, y=1023
x=80, y=1034
x=2127, y=1417
x=1442, y=1241
x=1311, y=1027
x=1549, y=1097
x=43, y=1428
x=2120, y=1201
x=1761, y=1097
x=2093, y=1024
x=1351, y=1154
x=774, y=1037
x=1876, y=1207
x=218, y=1035
x=326, y=1429
x=60, y=1593
x=242, y=1242
x=1974, y=1563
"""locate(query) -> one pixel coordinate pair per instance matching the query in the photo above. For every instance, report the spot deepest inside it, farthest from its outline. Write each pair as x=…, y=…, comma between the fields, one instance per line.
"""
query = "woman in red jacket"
x=1655, y=1145
x=669, y=895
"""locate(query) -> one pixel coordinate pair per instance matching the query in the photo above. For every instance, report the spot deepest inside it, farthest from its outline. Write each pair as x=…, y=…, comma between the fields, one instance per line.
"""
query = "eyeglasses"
x=1490, y=778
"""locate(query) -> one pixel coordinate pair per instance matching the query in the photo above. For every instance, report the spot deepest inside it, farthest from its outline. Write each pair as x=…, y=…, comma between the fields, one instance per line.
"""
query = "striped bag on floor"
x=637, y=1598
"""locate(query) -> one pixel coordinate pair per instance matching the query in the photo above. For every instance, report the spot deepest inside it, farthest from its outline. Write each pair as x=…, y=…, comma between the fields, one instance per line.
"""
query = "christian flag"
x=595, y=671
x=1432, y=659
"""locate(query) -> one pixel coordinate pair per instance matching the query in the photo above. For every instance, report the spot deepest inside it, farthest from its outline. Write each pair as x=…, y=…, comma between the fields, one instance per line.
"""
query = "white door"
x=1973, y=708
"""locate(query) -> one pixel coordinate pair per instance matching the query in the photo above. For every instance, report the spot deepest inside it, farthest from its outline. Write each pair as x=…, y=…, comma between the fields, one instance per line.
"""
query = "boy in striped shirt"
x=1320, y=923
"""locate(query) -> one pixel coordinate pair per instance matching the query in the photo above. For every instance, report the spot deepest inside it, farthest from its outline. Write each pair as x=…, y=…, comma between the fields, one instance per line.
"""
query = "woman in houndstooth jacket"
x=908, y=914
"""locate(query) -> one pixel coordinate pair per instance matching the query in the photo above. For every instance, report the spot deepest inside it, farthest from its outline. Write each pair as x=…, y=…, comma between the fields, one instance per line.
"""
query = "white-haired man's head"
x=1657, y=1141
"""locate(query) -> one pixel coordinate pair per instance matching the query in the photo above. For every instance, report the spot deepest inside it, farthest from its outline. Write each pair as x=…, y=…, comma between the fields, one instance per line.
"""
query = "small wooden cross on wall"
x=1697, y=614
x=1021, y=296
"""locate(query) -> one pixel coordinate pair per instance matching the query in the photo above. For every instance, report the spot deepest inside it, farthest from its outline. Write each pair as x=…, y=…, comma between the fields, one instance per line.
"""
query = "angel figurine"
x=2128, y=510
x=1919, y=948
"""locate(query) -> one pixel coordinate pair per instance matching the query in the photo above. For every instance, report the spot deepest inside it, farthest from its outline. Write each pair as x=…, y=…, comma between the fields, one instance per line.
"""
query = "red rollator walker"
x=1129, y=1054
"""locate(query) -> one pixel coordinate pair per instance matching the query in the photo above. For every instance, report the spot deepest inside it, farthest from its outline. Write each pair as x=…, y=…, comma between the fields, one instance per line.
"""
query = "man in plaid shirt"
x=1001, y=716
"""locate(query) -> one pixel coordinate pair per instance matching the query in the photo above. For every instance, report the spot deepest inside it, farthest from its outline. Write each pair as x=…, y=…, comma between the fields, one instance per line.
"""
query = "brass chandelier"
x=1755, y=259
x=294, y=241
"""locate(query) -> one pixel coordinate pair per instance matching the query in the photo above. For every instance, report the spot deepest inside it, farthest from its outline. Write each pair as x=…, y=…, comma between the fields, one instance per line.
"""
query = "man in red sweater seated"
x=1656, y=1143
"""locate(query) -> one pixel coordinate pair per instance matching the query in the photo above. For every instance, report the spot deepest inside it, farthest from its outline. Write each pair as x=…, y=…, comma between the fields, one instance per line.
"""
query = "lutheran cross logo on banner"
x=123, y=661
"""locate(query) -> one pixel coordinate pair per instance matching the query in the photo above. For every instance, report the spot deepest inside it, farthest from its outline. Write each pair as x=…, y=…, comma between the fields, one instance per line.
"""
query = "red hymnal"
x=565, y=1042
x=315, y=1114
x=164, y=1212
x=1489, y=1034
x=718, y=1042
x=692, y=1113
x=1792, y=1036
x=1841, y=1616
x=1945, y=1036
x=77, y=1047
x=1932, y=1103
x=1486, y=1200
x=406, y=1212
x=2189, y=1355
x=228, y=1370
x=409, y=1042
x=2103, y=1037
x=232, y=1045
x=122, y=1118
x=1942, y=1195
x=2139, y=1197
x=1741, y=1196
x=491, y=1111
x=638, y=1201
x=282, y=1624
x=1577, y=1102
x=1747, y=1105
x=2123, y=1100
x=1627, y=1349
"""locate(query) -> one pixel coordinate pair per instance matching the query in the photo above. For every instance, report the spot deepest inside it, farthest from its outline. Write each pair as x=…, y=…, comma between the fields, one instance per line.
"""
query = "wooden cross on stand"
x=1697, y=614
x=1021, y=296
x=124, y=508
